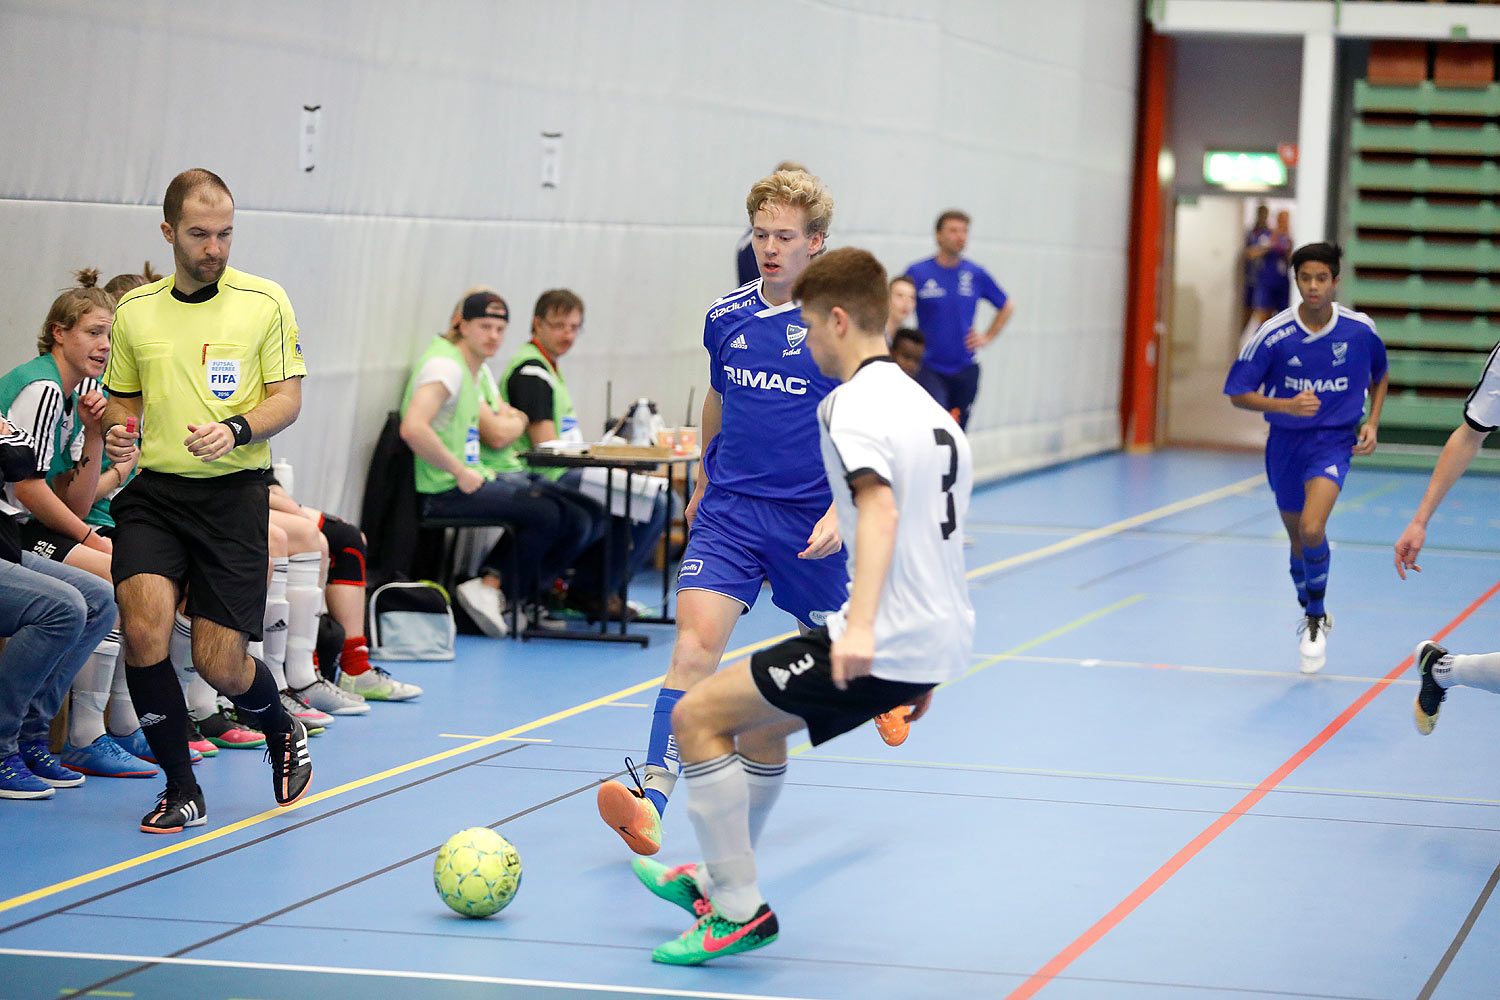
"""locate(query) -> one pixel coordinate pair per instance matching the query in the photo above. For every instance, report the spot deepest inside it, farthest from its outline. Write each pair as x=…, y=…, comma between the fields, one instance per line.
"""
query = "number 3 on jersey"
x=945, y=440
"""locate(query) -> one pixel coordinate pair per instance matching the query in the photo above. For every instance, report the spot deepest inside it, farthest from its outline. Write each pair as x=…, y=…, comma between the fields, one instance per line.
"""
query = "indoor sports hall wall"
x=429, y=162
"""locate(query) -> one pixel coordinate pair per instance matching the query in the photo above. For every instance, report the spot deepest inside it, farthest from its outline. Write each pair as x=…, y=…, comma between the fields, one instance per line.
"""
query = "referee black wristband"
x=240, y=427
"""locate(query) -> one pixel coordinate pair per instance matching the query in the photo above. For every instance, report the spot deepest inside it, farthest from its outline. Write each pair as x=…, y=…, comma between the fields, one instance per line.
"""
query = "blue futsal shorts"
x=737, y=542
x=1295, y=456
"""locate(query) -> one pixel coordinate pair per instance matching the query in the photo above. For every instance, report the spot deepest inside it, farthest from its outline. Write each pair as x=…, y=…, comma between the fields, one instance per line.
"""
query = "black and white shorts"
x=41, y=540
x=796, y=676
x=207, y=535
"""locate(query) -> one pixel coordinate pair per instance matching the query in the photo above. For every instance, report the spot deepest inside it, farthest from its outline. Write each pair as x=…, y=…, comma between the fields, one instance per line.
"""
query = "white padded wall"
x=428, y=176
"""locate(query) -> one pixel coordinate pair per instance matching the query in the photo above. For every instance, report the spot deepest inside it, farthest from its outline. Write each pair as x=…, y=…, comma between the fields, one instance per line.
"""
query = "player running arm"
x=713, y=418
x=1304, y=404
x=1366, y=443
x=1463, y=444
x=874, y=541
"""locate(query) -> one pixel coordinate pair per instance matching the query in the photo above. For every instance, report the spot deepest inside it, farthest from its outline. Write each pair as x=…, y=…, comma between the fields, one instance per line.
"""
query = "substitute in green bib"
x=446, y=424
x=204, y=368
x=533, y=383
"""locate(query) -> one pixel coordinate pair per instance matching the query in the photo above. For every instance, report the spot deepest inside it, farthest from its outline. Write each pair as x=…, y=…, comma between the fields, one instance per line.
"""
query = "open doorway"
x=1209, y=313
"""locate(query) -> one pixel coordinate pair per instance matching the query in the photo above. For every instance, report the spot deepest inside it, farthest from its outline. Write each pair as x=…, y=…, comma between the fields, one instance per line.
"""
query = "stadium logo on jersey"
x=223, y=376
x=966, y=284
x=1340, y=384
x=773, y=381
x=739, y=342
x=690, y=567
x=1340, y=353
x=1296, y=362
x=781, y=675
x=931, y=290
x=795, y=334
x=731, y=307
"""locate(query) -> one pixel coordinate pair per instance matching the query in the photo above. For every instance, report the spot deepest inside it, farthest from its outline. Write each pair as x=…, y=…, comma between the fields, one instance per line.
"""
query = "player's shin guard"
x=662, y=762
x=764, y=783
x=122, y=719
x=303, y=596
x=719, y=806
x=262, y=699
x=1299, y=578
x=163, y=711
x=91, y=693
x=1316, y=559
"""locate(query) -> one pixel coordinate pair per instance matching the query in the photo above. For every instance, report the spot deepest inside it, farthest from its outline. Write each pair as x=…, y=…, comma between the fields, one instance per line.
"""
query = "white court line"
x=625, y=704
x=451, y=977
x=508, y=739
x=1232, y=671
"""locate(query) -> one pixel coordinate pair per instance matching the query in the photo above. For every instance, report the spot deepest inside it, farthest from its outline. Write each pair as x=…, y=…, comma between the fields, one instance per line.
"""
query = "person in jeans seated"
x=444, y=421
x=534, y=384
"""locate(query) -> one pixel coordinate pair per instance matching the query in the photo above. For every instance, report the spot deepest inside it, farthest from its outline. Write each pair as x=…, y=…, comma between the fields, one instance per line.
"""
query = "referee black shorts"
x=208, y=535
x=796, y=676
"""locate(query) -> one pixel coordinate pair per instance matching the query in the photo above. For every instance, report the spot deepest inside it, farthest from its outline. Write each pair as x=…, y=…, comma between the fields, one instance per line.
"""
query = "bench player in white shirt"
x=901, y=475
x=1437, y=669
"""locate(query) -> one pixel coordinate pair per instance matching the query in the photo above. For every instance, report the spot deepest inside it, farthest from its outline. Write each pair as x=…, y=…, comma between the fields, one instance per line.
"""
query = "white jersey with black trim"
x=882, y=422
x=1482, y=408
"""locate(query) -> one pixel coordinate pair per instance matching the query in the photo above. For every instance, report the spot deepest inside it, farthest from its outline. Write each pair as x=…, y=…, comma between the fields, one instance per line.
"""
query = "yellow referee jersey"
x=197, y=360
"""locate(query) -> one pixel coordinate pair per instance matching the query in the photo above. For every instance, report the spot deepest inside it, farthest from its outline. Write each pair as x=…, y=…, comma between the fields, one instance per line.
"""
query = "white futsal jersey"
x=882, y=421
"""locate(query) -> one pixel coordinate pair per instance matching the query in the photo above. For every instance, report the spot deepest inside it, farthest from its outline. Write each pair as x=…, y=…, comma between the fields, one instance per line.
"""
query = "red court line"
x=1142, y=892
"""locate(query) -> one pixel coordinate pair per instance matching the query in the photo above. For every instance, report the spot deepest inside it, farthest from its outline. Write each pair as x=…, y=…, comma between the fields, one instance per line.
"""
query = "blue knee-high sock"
x=1316, y=559
x=1299, y=579
x=661, y=751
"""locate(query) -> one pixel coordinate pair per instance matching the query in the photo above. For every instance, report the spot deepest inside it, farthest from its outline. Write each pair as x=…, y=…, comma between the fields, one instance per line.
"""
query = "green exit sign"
x=1243, y=170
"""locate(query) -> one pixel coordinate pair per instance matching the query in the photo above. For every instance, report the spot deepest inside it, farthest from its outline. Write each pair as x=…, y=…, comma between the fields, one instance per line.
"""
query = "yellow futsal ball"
x=477, y=872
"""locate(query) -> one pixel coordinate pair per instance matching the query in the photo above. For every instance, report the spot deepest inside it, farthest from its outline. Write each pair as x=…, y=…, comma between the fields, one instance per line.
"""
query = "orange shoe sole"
x=621, y=809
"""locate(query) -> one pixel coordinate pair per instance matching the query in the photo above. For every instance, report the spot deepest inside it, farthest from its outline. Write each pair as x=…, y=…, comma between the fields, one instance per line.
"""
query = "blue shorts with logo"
x=1295, y=456
x=738, y=541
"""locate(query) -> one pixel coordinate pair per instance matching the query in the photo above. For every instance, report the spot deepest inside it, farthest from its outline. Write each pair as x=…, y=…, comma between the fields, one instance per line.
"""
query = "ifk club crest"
x=795, y=334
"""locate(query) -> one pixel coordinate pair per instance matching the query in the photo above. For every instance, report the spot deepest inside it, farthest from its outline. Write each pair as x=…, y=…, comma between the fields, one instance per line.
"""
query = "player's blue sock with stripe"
x=1299, y=579
x=1315, y=558
x=661, y=751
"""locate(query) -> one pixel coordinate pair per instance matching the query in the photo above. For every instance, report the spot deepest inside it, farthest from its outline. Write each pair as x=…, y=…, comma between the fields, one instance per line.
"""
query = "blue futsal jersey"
x=1339, y=362
x=761, y=366
x=946, y=298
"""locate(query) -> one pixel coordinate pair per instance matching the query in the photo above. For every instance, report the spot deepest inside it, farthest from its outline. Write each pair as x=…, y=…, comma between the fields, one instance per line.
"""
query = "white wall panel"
x=428, y=175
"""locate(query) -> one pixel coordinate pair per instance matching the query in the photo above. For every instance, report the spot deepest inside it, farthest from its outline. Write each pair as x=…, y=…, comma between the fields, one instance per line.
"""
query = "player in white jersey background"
x=901, y=474
x=1438, y=669
x=761, y=510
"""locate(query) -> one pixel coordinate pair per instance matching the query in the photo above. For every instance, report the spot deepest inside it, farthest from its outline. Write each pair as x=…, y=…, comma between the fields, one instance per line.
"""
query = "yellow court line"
x=1041, y=772
x=1025, y=557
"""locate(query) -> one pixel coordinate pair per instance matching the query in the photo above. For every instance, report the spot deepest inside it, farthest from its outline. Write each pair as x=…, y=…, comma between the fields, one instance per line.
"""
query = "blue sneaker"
x=47, y=768
x=17, y=781
x=135, y=744
x=105, y=758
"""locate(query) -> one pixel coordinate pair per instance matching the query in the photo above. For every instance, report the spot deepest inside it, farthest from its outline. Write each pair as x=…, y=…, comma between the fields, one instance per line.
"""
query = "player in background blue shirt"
x=1308, y=370
x=1270, y=283
x=762, y=509
x=948, y=289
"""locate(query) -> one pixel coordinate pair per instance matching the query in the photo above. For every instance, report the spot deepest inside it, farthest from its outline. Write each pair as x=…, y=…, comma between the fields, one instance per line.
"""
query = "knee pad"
x=346, y=551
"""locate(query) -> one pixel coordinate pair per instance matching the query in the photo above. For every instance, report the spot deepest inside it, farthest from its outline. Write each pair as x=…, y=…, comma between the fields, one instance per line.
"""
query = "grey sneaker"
x=335, y=701
x=377, y=685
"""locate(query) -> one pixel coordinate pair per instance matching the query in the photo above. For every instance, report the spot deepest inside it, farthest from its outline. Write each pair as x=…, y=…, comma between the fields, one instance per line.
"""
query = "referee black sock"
x=163, y=713
x=263, y=701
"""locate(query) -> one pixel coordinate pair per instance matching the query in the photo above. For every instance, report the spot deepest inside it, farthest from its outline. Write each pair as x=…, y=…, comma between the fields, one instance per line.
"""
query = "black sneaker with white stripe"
x=176, y=808
x=291, y=764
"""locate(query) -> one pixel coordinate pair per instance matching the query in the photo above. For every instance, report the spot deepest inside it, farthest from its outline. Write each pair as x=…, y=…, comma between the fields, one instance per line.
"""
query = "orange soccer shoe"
x=630, y=814
x=893, y=726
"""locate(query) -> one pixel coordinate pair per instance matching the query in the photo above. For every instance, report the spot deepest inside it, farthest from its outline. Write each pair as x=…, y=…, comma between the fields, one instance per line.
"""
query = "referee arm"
x=209, y=442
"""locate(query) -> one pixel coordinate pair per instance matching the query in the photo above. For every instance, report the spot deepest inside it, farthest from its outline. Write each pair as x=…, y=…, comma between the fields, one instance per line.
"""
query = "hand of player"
x=1304, y=404
x=121, y=446
x=824, y=540
x=1366, y=443
x=853, y=654
x=919, y=707
x=469, y=480
x=1408, y=547
x=94, y=540
x=974, y=340
x=208, y=442
x=690, y=512
x=91, y=411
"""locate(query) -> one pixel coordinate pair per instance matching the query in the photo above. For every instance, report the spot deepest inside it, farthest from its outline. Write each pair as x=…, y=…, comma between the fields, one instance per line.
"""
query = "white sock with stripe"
x=1477, y=670
x=719, y=807
x=91, y=694
x=303, y=596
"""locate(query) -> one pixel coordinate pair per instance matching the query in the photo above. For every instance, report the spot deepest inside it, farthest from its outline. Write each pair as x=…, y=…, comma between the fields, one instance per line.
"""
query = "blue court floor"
x=1132, y=794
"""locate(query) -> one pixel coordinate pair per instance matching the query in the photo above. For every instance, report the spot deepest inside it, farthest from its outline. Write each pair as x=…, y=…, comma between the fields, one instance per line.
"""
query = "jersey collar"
x=201, y=295
x=1312, y=334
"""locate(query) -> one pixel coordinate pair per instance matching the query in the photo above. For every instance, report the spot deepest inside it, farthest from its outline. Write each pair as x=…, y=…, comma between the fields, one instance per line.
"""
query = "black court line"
x=146, y=966
x=1459, y=938
x=1198, y=539
x=251, y=843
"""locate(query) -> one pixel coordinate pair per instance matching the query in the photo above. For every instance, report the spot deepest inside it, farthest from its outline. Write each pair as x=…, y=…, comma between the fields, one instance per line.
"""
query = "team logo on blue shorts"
x=819, y=617
x=690, y=567
x=223, y=376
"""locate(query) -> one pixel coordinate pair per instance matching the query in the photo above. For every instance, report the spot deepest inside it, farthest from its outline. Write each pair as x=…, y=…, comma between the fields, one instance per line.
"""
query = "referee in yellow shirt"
x=204, y=367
